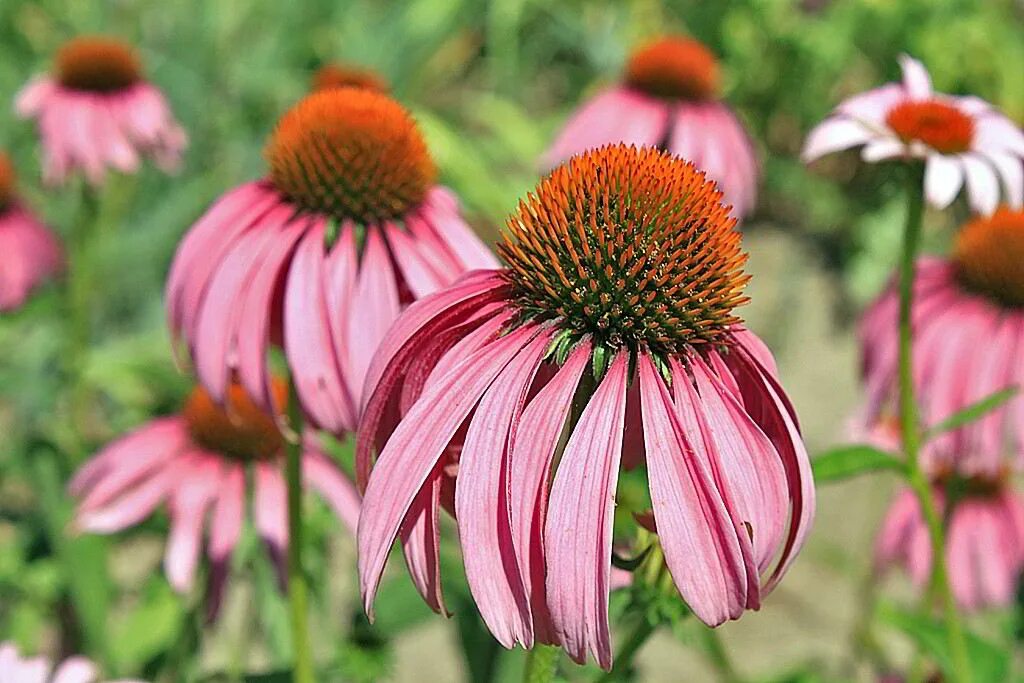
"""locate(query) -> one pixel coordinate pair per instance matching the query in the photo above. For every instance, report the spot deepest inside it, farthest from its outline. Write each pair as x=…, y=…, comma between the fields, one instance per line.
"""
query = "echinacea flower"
x=29, y=252
x=613, y=319
x=668, y=98
x=338, y=75
x=199, y=462
x=15, y=668
x=984, y=540
x=321, y=256
x=968, y=333
x=97, y=112
x=959, y=138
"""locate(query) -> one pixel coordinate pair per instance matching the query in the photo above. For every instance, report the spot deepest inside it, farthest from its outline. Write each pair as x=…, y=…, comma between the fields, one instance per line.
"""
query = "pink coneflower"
x=968, y=332
x=984, y=545
x=96, y=112
x=17, y=669
x=197, y=461
x=960, y=138
x=614, y=316
x=29, y=253
x=668, y=98
x=321, y=256
x=339, y=75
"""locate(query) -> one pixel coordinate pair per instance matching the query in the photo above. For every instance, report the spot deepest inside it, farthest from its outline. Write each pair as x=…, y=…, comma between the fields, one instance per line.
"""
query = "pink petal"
x=75, y=670
x=188, y=506
x=916, y=81
x=324, y=477
x=270, y=510
x=832, y=135
x=578, y=532
x=417, y=273
x=440, y=211
x=982, y=185
x=136, y=504
x=421, y=542
x=482, y=501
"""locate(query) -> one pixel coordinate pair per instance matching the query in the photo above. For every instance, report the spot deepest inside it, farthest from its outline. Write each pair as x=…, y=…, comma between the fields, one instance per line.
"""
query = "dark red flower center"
x=989, y=256
x=334, y=75
x=937, y=124
x=7, y=181
x=674, y=68
x=630, y=247
x=97, y=64
x=238, y=429
x=350, y=153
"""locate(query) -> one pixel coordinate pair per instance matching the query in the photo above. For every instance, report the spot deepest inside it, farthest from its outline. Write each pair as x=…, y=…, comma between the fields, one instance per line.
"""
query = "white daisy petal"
x=882, y=149
x=832, y=135
x=916, y=80
x=1011, y=170
x=996, y=132
x=982, y=185
x=943, y=177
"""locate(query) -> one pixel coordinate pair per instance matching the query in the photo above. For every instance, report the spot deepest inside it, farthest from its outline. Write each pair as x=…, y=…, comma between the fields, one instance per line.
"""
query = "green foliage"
x=850, y=461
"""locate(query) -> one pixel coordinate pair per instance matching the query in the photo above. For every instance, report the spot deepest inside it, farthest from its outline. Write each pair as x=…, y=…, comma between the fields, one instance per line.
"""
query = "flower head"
x=613, y=320
x=959, y=138
x=197, y=462
x=97, y=112
x=968, y=324
x=984, y=546
x=668, y=99
x=18, y=669
x=336, y=75
x=319, y=258
x=29, y=253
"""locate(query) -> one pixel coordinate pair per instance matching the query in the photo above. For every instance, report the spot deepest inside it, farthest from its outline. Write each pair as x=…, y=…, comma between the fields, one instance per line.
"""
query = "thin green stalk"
x=541, y=664
x=719, y=656
x=911, y=430
x=624, y=658
x=79, y=295
x=297, y=589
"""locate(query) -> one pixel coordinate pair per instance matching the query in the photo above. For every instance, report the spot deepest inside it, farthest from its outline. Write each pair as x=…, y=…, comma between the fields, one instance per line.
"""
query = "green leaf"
x=990, y=662
x=972, y=412
x=150, y=628
x=850, y=461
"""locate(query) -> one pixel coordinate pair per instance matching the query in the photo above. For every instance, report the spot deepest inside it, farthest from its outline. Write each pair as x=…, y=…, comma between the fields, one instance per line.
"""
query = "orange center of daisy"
x=238, y=429
x=941, y=126
x=989, y=256
x=630, y=247
x=350, y=153
x=674, y=68
x=7, y=181
x=344, y=75
x=97, y=64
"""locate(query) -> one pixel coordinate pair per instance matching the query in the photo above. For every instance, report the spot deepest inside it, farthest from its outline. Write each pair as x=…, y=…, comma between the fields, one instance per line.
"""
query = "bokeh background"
x=489, y=82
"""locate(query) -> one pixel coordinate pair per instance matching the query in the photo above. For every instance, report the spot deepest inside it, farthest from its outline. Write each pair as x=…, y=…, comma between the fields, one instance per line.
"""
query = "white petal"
x=915, y=78
x=995, y=132
x=943, y=177
x=882, y=149
x=982, y=185
x=1011, y=170
x=832, y=135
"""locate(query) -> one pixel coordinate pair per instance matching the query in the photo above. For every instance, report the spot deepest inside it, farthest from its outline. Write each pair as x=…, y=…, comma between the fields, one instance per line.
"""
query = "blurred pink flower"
x=668, y=99
x=17, y=669
x=197, y=462
x=984, y=545
x=960, y=138
x=479, y=379
x=320, y=257
x=96, y=112
x=968, y=331
x=29, y=252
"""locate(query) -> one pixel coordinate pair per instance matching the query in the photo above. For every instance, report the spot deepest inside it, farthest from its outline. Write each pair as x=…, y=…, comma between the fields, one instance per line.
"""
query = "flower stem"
x=911, y=430
x=719, y=656
x=297, y=590
x=624, y=658
x=541, y=664
x=77, y=318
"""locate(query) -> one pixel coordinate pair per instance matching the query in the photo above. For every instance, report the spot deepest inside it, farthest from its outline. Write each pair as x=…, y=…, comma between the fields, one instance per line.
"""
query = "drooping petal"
x=270, y=513
x=578, y=530
x=226, y=522
x=943, y=178
x=324, y=477
x=421, y=542
x=832, y=135
x=188, y=507
x=982, y=185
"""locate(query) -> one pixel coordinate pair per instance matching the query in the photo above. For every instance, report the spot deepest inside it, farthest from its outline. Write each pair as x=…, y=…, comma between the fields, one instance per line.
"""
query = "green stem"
x=624, y=659
x=297, y=589
x=719, y=656
x=911, y=430
x=541, y=664
x=78, y=318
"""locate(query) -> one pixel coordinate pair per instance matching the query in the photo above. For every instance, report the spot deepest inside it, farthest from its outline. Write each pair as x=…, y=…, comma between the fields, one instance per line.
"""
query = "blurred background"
x=490, y=83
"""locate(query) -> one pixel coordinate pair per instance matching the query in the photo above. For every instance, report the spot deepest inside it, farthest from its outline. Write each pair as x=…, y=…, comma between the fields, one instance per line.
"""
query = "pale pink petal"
x=440, y=211
x=943, y=178
x=832, y=135
x=188, y=506
x=327, y=479
x=1011, y=171
x=916, y=81
x=882, y=149
x=136, y=504
x=482, y=501
x=578, y=531
x=270, y=513
x=982, y=184
x=75, y=670
x=417, y=273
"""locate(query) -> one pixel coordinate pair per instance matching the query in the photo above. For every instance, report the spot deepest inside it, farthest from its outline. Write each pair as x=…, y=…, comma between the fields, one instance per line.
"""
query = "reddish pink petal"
x=482, y=501
x=440, y=211
x=136, y=504
x=578, y=532
x=421, y=542
x=414, y=449
x=417, y=273
x=534, y=444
